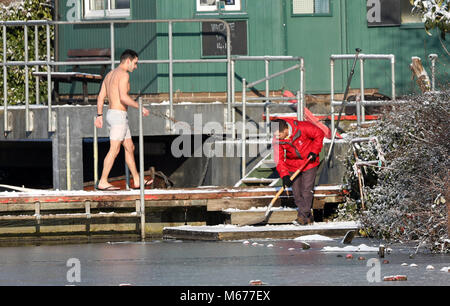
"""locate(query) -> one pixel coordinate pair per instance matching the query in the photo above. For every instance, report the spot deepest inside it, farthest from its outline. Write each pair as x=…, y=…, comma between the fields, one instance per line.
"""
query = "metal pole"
x=170, y=74
x=49, y=82
x=360, y=109
x=244, y=92
x=332, y=96
x=273, y=75
x=95, y=144
x=266, y=62
x=127, y=176
x=36, y=54
x=233, y=99
x=5, y=85
x=141, y=170
x=113, y=55
x=393, y=77
x=433, y=58
x=68, y=169
x=229, y=76
x=301, y=94
x=27, y=83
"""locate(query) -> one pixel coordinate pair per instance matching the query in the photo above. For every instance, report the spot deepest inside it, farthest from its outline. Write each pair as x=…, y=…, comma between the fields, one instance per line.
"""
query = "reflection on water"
x=211, y=263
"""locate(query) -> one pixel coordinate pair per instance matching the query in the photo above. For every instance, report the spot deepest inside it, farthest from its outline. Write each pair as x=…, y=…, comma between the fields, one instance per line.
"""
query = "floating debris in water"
x=361, y=258
x=413, y=265
x=291, y=249
x=349, y=256
x=430, y=267
x=246, y=242
x=395, y=278
x=270, y=245
x=255, y=243
x=257, y=282
x=385, y=261
x=404, y=264
x=445, y=269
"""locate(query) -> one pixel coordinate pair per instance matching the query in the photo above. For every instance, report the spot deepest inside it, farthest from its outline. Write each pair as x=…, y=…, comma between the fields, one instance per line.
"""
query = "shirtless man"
x=115, y=87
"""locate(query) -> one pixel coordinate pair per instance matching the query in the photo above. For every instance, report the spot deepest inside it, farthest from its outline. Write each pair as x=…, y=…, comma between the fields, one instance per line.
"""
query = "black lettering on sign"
x=383, y=13
x=214, y=38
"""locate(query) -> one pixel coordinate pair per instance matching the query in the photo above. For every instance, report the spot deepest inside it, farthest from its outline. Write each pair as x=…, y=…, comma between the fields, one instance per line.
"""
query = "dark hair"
x=128, y=54
x=278, y=125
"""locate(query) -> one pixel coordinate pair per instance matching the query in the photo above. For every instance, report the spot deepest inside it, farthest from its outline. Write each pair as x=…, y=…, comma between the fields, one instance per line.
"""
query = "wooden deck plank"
x=276, y=217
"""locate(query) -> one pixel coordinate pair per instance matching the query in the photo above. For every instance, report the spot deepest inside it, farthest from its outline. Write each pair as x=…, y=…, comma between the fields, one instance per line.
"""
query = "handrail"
x=245, y=86
x=50, y=63
x=360, y=112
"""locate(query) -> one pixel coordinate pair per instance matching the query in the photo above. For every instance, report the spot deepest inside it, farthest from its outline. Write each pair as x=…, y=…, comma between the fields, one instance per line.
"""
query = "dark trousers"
x=302, y=188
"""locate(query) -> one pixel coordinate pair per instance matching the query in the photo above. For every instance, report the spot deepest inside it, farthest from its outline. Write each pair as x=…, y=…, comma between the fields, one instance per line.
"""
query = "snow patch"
x=360, y=248
x=313, y=238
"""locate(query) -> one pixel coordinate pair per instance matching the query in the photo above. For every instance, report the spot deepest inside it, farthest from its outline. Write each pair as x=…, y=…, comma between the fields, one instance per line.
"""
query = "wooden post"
x=423, y=80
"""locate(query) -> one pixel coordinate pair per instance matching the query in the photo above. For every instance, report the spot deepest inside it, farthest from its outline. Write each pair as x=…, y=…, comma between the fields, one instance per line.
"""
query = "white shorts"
x=118, y=124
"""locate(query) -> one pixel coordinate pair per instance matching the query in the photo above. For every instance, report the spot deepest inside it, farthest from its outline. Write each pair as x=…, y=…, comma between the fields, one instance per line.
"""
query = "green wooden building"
x=313, y=29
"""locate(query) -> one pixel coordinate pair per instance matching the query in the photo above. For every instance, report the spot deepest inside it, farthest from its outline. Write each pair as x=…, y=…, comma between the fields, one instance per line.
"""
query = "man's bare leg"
x=108, y=163
x=129, y=159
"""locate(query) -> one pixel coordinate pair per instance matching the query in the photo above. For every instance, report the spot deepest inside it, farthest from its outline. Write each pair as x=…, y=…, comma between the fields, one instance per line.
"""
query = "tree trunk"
x=420, y=73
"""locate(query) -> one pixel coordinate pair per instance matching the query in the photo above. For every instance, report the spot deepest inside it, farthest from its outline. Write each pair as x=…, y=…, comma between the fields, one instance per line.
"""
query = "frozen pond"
x=193, y=263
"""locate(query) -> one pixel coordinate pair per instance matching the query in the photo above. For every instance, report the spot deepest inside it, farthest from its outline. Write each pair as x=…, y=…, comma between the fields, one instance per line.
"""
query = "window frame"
x=417, y=23
x=329, y=14
x=108, y=12
x=237, y=7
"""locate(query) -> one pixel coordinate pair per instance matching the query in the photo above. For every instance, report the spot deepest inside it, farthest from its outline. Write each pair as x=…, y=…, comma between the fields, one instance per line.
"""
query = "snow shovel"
x=264, y=219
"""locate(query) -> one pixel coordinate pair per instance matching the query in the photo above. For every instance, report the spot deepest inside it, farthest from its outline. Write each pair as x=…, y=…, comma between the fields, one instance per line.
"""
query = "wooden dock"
x=47, y=214
x=233, y=232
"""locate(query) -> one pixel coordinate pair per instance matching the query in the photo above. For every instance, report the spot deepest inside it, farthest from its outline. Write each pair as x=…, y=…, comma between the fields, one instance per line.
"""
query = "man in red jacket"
x=294, y=143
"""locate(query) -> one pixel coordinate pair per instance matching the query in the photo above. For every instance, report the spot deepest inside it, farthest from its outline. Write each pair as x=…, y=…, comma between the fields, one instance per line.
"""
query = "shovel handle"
x=293, y=176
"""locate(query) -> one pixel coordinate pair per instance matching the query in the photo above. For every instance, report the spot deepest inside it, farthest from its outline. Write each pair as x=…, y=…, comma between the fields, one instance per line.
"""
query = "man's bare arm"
x=100, y=102
x=101, y=98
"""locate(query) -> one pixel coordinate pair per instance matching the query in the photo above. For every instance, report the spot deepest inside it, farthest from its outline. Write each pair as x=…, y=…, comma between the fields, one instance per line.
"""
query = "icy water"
x=187, y=263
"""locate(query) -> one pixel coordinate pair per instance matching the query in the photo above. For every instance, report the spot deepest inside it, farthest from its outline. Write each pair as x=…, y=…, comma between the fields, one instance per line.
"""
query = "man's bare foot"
x=146, y=183
x=105, y=186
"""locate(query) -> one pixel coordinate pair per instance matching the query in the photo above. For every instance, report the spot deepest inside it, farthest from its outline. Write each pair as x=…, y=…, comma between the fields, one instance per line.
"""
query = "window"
x=301, y=7
x=215, y=5
x=407, y=15
x=106, y=8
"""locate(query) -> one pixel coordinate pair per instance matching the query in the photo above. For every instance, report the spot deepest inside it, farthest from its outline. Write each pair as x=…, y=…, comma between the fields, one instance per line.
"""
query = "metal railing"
x=360, y=112
x=50, y=64
x=433, y=57
x=300, y=94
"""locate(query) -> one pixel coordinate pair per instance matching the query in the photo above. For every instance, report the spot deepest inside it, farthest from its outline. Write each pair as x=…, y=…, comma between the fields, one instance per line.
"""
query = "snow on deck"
x=57, y=193
x=347, y=225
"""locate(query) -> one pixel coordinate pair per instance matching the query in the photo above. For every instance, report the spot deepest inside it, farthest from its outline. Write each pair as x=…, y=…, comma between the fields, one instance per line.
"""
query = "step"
x=278, y=215
x=256, y=180
x=268, y=164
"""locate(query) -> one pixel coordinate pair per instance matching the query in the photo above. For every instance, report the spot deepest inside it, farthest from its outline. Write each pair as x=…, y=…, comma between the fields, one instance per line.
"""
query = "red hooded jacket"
x=292, y=153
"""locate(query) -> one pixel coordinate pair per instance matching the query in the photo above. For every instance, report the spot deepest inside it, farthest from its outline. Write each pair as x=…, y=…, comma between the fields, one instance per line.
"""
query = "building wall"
x=272, y=30
x=139, y=37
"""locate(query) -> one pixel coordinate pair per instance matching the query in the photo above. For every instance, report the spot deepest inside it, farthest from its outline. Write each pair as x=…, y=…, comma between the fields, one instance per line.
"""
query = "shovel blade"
x=349, y=237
